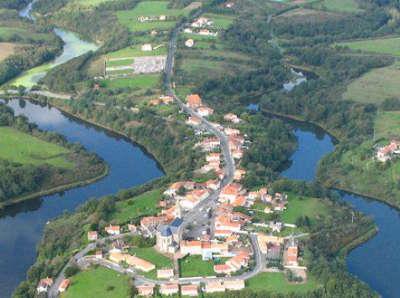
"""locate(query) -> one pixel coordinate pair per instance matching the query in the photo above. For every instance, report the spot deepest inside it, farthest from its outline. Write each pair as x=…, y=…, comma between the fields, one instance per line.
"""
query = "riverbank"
x=54, y=190
x=369, y=234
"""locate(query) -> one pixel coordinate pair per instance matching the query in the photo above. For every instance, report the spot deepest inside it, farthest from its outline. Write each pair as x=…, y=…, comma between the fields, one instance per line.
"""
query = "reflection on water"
x=376, y=262
x=21, y=226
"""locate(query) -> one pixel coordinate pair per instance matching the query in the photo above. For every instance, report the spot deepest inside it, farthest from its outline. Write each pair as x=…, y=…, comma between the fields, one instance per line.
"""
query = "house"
x=237, y=154
x=193, y=198
x=230, y=192
x=133, y=261
x=239, y=261
x=223, y=269
x=222, y=233
x=132, y=228
x=264, y=240
x=213, y=157
x=149, y=223
x=64, y=285
x=44, y=285
x=213, y=184
x=189, y=290
x=239, y=174
x=175, y=187
x=234, y=285
x=92, y=236
x=188, y=30
x=166, y=99
x=194, y=121
x=147, y=47
x=232, y=118
x=291, y=253
x=239, y=201
x=222, y=222
x=165, y=273
x=145, y=290
x=189, y=43
x=205, y=111
x=210, y=144
x=113, y=230
x=207, y=32
x=191, y=247
x=201, y=22
x=194, y=101
x=232, y=131
x=169, y=289
x=214, y=287
x=98, y=254
x=162, y=18
x=384, y=153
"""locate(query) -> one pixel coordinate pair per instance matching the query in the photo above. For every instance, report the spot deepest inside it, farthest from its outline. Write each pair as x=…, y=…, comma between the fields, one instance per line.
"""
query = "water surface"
x=21, y=226
x=377, y=261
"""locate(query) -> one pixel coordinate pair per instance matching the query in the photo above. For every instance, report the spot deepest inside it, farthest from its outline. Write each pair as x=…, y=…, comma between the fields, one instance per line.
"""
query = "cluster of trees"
x=13, y=4
x=170, y=142
x=21, y=179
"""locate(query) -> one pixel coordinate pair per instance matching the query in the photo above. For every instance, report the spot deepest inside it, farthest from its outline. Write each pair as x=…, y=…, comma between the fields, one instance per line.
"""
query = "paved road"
x=197, y=214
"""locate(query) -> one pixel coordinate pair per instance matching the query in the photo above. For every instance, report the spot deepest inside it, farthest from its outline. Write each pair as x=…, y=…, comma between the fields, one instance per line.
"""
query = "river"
x=377, y=261
x=21, y=226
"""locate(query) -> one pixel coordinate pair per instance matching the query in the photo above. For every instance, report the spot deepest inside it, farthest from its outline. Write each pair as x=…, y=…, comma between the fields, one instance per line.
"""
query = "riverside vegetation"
x=250, y=38
x=34, y=162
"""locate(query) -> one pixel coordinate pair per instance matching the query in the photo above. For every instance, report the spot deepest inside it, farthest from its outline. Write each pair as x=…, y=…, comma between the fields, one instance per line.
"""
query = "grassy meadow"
x=7, y=49
x=348, y=6
x=192, y=266
x=16, y=146
x=303, y=206
x=142, y=81
x=388, y=46
x=144, y=204
x=129, y=18
x=277, y=283
x=387, y=124
x=98, y=283
x=376, y=85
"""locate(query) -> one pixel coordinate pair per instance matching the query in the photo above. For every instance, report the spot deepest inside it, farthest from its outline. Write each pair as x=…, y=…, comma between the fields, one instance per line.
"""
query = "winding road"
x=194, y=216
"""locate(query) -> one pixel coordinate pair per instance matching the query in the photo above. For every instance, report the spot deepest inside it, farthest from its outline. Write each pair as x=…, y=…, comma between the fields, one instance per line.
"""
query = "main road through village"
x=196, y=216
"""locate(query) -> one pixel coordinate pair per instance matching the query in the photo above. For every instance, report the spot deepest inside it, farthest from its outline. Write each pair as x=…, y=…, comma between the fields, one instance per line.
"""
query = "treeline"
x=272, y=143
x=14, y=4
x=26, y=58
x=169, y=141
x=20, y=179
x=65, y=77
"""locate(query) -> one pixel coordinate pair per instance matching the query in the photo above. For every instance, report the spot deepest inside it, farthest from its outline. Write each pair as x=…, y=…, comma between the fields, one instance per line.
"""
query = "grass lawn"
x=376, y=85
x=303, y=206
x=98, y=283
x=129, y=18
x=220, y=21
x=341, y=5
x=16, y=146
x=143, y=81
x=389, y=46
x=135, y=51
x=387, y=124
x=151, y=255
x=192, y=266
x=24, y=33
x=144, y=204
x=277, y=283
x=356, y=170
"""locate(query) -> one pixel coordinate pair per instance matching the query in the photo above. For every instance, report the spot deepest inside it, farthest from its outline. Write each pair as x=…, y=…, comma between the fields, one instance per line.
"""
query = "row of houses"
x=192, y=290
x=387, y=152
x=45, y=284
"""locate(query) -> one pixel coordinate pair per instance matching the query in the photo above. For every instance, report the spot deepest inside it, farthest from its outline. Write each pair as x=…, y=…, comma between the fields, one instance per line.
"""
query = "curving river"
x=21, y=226
x=377, y=261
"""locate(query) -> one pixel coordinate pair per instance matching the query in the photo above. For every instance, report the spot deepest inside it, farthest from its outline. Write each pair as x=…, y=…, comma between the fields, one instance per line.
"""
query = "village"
x=193, y=227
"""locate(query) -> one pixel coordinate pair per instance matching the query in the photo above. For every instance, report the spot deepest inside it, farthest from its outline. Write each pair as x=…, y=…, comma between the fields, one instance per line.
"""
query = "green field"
x=129, y=18
x=144, y=204
x=192, y=266
x=98, y=283
x=16, y=146
x=277, y=283
x=356, y=170
x=389, y=46
x=220, y=21
x=341, y=5
x=303, y=206
x=387, y=124
x=7, y=33
x=376, y=85
x=135, y=51
x=143, y=81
